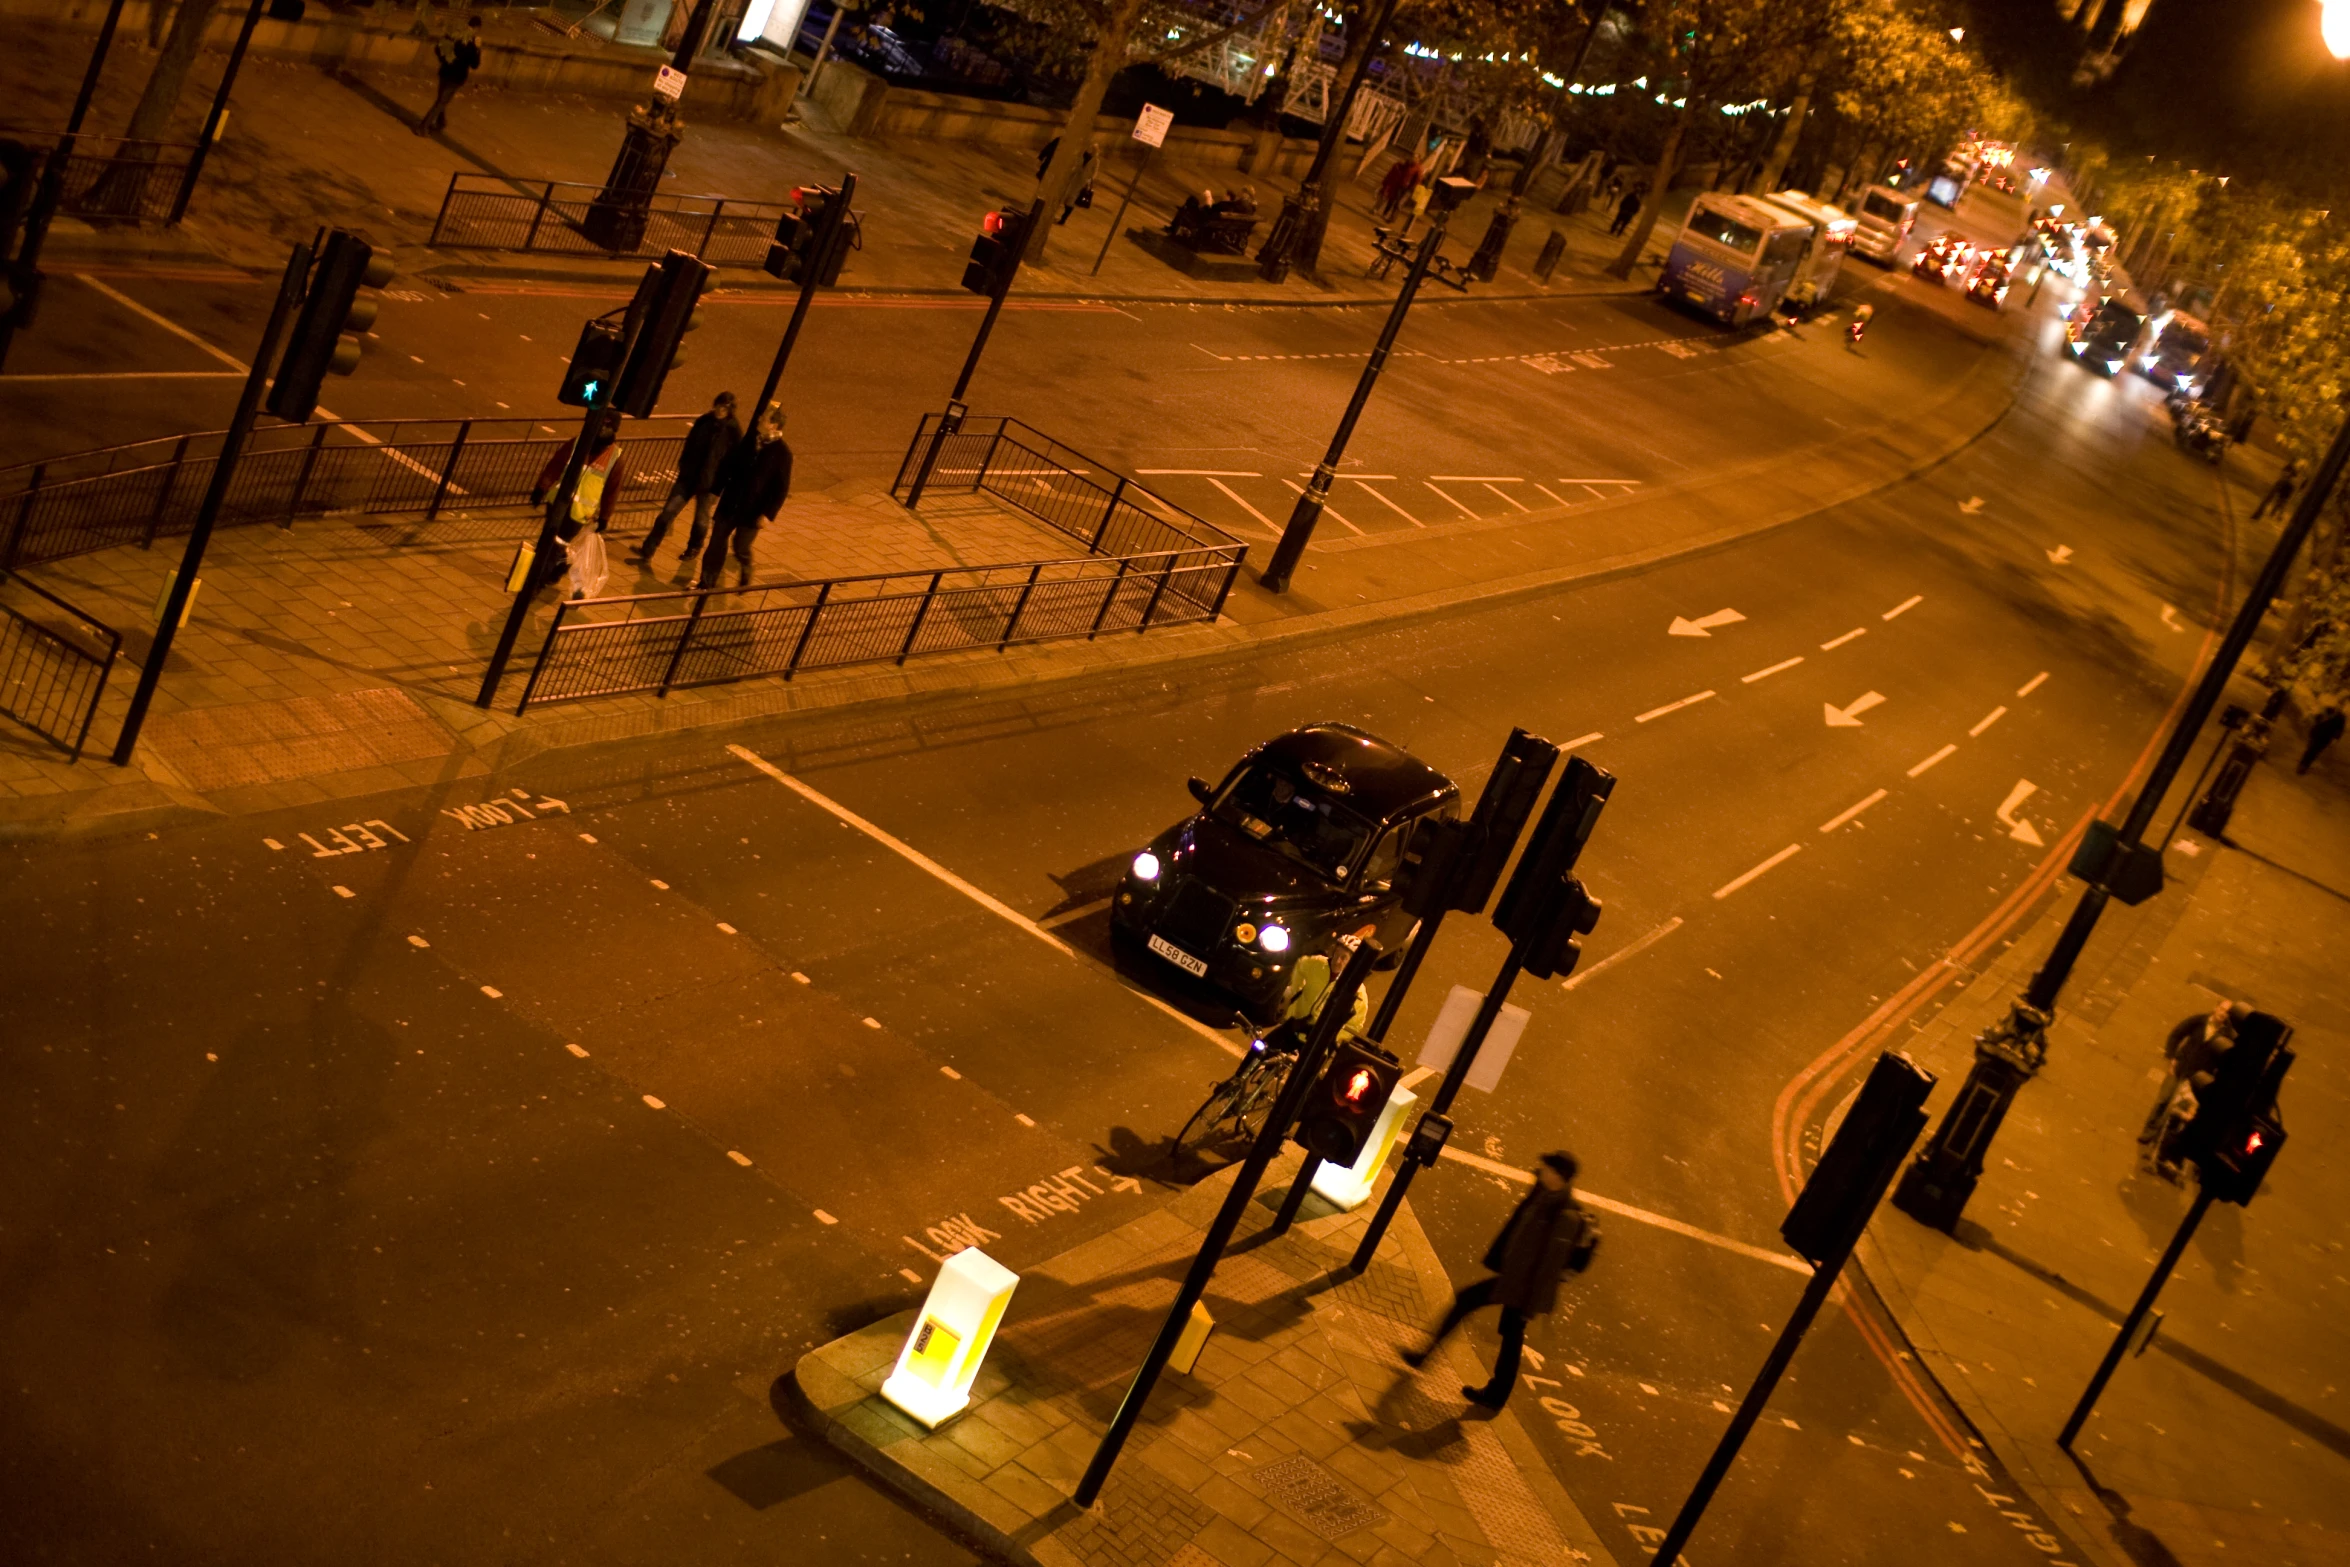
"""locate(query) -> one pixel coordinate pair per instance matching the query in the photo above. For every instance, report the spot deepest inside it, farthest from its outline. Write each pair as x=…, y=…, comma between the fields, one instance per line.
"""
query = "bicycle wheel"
x=1257, y=1093
x=1200, y=1130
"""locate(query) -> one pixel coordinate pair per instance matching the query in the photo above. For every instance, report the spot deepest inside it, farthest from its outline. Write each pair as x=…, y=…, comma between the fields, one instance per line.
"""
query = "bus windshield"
x=1880, y=205
x=1724, y=230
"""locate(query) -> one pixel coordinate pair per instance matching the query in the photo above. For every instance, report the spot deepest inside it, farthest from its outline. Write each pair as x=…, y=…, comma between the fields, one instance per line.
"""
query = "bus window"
x=1724, y=230
x=1787, y=247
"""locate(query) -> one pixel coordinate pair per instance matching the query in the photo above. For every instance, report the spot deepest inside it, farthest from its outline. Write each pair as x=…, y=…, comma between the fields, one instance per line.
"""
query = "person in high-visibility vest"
x=601, y=479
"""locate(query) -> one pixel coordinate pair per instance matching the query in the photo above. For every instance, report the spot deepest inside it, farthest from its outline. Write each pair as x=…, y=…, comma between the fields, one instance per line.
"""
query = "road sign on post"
x=1823, y=1226
x=1150, y=128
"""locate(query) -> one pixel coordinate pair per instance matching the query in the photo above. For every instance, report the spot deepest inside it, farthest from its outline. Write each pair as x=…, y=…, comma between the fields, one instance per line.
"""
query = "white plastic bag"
x=588, y=566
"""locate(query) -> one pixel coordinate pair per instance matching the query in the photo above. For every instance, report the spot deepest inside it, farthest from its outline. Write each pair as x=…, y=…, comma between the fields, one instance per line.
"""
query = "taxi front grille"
x=1196, y=918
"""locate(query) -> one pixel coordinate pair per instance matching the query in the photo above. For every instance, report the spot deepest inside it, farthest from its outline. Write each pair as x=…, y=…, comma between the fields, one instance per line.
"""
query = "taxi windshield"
x=1282, y=811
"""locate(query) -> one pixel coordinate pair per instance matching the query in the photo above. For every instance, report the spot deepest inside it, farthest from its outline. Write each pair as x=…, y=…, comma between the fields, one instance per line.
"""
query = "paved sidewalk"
x=1301, y=1439
x=2229, y=1440
x=307, y=146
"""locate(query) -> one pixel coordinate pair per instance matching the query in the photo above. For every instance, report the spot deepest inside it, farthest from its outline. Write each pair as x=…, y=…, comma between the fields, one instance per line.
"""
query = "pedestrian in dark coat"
x=2322, y=733
x=753, y=484
x=707, y=444
x=460, y=57
x=1547, y=1235
x=2281, y=492
x=2192, y=1049
x=1626, y=210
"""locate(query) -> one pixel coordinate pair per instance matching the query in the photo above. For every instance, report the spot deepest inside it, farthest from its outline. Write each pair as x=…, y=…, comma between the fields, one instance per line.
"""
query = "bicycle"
x=1235, y=1107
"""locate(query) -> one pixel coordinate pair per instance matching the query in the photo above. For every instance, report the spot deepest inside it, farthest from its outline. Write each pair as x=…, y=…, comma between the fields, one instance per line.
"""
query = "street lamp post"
x=1310, y=501
x=1296, y=236
x=615, y=220
x=1935, y=1189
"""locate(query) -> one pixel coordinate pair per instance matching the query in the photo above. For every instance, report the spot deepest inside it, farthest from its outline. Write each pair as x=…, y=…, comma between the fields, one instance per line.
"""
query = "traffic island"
x=1297, y=1438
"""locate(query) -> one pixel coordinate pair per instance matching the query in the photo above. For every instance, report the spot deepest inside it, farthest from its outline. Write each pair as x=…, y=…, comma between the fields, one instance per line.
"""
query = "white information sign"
x=1152, y=124
x=1452, y=1026
x=950, y=1338
x=669, y=82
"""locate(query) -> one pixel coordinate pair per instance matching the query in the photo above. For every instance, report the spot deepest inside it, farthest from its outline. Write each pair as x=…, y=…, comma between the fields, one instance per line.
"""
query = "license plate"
x=1183, y=960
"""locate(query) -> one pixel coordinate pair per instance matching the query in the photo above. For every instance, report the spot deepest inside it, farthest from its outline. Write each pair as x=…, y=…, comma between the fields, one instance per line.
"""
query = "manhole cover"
x=1320, y=1500
x=265, y=742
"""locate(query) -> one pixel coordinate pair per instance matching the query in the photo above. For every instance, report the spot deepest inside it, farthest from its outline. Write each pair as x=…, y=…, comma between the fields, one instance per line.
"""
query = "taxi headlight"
x=1273, y=939
x=1146, y=866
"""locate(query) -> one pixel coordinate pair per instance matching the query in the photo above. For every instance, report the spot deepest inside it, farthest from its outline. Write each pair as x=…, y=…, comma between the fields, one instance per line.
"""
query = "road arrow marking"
x=1971, y=505
x=2059, y=555
x=1703, y=626
x=1849, y=717
x=2017, y=828
x=2170, y=618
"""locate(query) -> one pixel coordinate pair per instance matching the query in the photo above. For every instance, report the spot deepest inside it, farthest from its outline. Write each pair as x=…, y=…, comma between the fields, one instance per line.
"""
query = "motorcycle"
x=2200, y=432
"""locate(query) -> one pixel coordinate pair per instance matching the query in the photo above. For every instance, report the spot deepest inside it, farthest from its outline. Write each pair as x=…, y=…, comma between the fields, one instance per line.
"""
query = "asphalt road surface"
x=394, y=1181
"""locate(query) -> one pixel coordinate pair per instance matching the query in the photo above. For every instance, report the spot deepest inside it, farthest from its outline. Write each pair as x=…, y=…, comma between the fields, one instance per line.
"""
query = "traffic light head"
x=995, y=254
x=664, y=310
x=1344, y=1106
x=1551, y=950
x=1541, y=878
x=337, y=312
x=595, y=362
x=1500, y=818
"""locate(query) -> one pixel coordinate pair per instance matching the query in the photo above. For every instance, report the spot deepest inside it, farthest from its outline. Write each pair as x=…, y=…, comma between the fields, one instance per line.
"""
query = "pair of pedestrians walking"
x=736, y=487
x=1548, y=1236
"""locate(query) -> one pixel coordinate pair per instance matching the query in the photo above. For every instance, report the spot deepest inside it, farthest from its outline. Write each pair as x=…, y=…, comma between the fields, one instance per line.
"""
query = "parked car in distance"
x=1297, y=847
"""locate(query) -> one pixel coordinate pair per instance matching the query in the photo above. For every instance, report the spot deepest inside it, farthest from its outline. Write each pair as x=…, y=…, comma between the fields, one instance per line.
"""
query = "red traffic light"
x=1359, y=1084
x=2255, y=1142
x=993, y=223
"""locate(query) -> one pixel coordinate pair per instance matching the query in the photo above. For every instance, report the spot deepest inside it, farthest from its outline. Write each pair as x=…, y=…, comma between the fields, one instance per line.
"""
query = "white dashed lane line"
x=1779, y=858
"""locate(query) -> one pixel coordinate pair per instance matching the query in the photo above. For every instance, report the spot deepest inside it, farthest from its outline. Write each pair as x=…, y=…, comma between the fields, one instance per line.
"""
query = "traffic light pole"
x=1934, y=1190
x=2137, y=1316
x=1447, y=1091
x=25, y=272
x=558, y=508
x=1336, y=1007
x=819, y=252
x=1389, y=1005
x=1815, y=1295
x=1316, y=494
x=952, y=419
x=212, y=121
x=224, y=473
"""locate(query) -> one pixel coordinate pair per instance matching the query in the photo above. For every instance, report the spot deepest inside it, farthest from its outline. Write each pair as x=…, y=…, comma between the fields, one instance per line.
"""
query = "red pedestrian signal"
x=1344, y=1107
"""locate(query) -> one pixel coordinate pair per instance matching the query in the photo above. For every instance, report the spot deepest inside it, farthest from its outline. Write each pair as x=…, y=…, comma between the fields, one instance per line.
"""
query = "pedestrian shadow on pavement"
x=2146, y=1548
x=377, y=99
x=2307, y=1422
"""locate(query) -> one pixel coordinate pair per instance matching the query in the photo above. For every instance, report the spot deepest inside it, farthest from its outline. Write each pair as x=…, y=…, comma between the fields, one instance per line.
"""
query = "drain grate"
x=1319, y=1499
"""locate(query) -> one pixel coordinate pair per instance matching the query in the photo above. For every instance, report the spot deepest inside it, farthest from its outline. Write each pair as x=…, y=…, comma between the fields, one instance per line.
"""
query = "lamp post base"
x=1934, y=1190
x=616, y=219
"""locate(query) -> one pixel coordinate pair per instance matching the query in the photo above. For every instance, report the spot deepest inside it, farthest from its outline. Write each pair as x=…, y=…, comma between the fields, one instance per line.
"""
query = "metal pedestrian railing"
x=487, y=212
x=660, y=642
x=1107, y=512
x=1148, y=563
x=54, y=663
x=150, y=490
x=107, y=177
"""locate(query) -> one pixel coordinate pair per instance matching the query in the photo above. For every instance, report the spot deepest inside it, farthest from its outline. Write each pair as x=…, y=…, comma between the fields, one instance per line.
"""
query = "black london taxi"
x=1297, y=847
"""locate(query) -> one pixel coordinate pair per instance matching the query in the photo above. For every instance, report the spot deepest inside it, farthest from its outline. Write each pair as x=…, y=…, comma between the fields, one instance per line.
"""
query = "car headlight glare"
x=1273, y=939
x=1146, y=866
